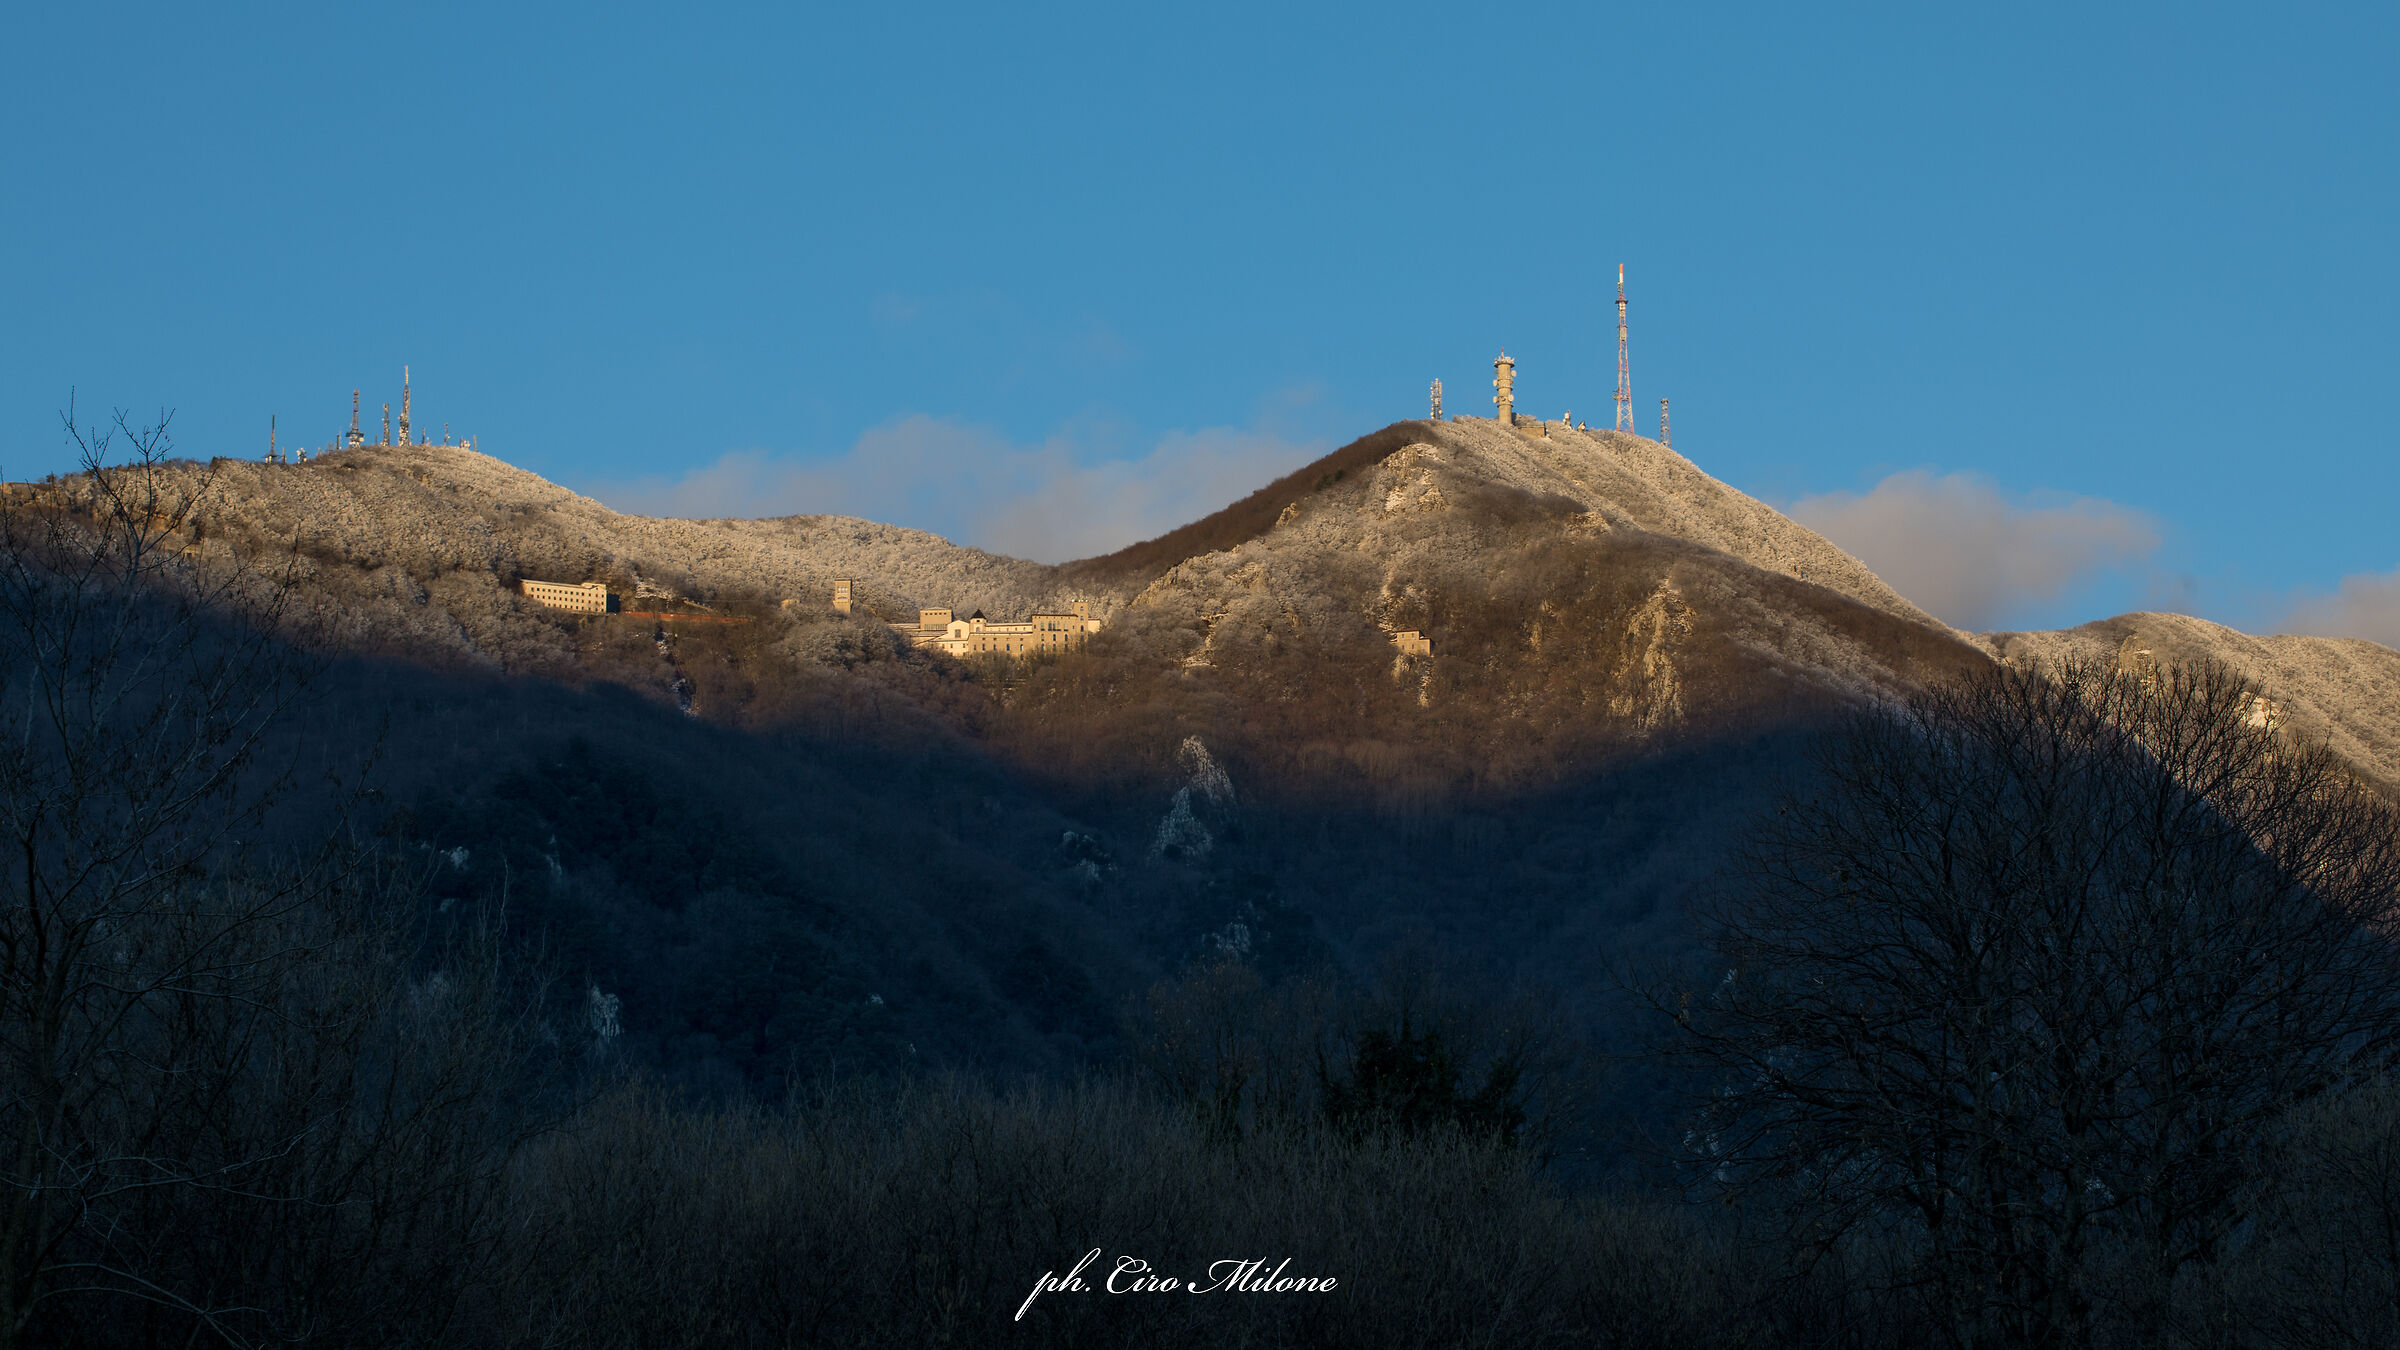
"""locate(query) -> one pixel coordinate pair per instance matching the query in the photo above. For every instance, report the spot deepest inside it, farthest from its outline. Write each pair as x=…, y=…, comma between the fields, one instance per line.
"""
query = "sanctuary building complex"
x=976, y=635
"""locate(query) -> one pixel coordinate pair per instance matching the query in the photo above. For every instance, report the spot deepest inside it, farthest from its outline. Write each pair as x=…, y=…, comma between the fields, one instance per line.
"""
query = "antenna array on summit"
x=1504, y=381
x=356, y=437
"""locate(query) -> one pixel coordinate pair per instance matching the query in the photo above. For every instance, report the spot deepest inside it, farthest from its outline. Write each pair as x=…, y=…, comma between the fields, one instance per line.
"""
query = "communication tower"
x=1624, y=367
x=357, y=437
x=1663, y=438
x=1437, y=400
x=404, y=392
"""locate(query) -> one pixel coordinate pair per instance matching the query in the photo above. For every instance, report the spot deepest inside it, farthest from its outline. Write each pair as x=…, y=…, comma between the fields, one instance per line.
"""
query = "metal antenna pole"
x=1663, y=438
x=1624, y=367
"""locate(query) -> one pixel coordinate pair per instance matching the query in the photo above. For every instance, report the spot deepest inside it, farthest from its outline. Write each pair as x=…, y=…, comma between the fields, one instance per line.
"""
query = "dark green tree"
x=1404, y=1080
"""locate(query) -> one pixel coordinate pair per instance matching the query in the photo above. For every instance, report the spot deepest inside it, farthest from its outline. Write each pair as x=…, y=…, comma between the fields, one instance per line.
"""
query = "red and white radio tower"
x=1624, y=368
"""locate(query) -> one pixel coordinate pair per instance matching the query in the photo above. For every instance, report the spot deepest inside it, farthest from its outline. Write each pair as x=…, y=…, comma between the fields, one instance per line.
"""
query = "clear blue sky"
x=2138, y=254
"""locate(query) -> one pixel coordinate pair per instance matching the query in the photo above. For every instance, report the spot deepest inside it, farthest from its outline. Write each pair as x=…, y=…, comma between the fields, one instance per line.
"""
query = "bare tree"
x=2024, y=982
x=221, y=1065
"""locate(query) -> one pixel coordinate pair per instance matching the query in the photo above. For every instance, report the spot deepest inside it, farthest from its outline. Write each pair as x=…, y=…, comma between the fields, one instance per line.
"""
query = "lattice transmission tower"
x=1624, y=367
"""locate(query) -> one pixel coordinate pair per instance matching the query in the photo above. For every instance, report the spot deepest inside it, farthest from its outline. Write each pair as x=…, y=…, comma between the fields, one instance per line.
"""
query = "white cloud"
x=1973, y=555
x=2366, y=606
x=1048, y=502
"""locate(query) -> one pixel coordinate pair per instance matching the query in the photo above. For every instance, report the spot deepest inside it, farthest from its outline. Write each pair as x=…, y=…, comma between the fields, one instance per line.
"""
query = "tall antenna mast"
x=1624, y=368
x=1663, y=438
x=1437, y=400
x=357, y=437
x=404, y=396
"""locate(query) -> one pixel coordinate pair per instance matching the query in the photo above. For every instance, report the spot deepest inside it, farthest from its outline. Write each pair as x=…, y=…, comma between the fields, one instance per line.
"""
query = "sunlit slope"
x=1570, y=583
x=1626, y=482
x=2345, y=691
x=421, y=548
x=1576, y=589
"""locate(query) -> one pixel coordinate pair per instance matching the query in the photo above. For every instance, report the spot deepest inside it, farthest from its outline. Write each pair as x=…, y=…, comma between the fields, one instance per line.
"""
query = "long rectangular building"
x=587, y=597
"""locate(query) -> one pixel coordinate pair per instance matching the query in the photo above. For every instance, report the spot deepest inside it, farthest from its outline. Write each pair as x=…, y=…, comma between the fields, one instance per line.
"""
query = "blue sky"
x=2104, y=292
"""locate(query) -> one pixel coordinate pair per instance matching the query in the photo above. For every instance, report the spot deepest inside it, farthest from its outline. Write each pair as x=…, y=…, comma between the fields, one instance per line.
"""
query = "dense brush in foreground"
x=910, y=1214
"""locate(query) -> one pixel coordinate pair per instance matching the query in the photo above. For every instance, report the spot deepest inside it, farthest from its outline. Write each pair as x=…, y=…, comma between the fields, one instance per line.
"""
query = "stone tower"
x=1504, y=381
x=1437, y=400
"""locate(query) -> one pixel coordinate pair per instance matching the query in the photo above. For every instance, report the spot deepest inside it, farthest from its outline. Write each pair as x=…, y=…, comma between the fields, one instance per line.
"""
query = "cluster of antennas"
x=1504, y=382
x=356, y=437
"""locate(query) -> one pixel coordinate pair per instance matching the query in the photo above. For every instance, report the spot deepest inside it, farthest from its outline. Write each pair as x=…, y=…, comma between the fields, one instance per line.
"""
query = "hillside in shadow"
x=831, y=892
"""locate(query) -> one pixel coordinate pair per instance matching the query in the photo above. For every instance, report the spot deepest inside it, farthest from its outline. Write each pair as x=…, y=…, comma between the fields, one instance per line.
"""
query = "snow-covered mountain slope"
x=1570, y=583
x=2345, y=691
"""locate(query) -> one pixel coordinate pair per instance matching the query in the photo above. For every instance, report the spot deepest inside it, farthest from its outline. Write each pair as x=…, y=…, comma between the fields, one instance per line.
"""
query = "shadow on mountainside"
x=772, y=905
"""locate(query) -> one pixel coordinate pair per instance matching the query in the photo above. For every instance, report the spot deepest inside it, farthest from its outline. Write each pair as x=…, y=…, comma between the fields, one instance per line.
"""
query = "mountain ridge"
x=1438, y=527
